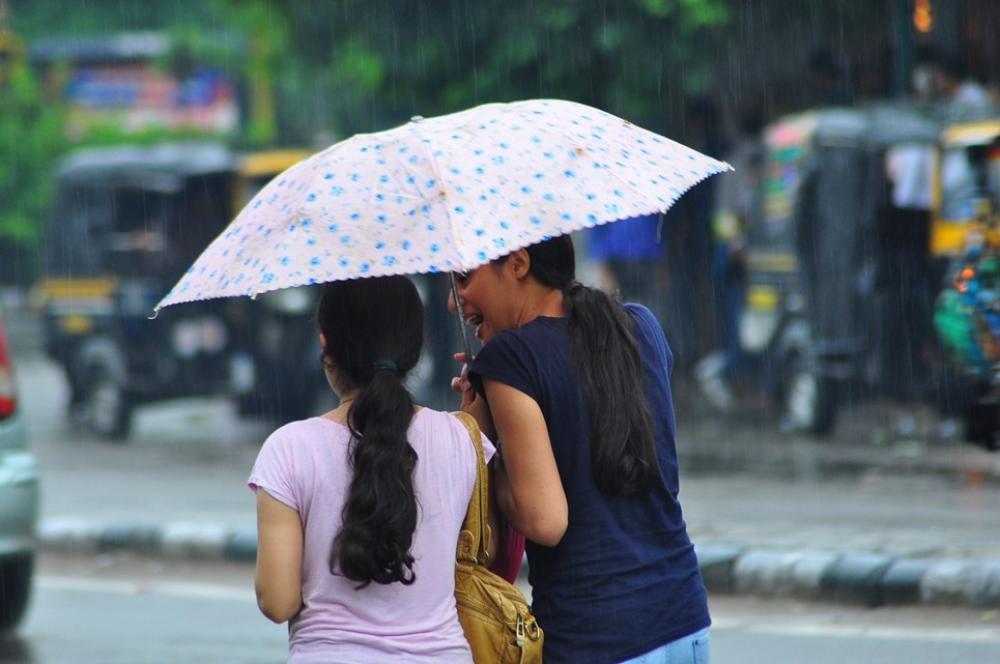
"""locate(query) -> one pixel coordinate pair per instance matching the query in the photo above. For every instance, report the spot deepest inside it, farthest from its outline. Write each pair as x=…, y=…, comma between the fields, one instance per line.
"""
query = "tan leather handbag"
x=494, y=614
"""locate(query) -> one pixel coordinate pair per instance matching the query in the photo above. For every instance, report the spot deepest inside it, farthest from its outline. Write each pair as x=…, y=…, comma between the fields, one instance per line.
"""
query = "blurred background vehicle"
x=965, y=236
x=839, y=272
x=18, y=498
x=126, y=220
x=274, y=373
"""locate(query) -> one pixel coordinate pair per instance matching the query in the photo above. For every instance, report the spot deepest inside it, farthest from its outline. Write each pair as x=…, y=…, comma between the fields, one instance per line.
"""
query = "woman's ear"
x=324, y=358
x=520, y=263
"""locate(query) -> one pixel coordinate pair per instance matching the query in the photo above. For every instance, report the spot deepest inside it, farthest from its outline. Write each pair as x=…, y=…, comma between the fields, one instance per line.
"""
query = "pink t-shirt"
x=305, y=465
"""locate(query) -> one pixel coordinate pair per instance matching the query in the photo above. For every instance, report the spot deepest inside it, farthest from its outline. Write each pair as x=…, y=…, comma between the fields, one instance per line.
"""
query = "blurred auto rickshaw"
x=275, y=372
x=966, y=235
x=840, y=288
x=965, y=188
x=126, y=221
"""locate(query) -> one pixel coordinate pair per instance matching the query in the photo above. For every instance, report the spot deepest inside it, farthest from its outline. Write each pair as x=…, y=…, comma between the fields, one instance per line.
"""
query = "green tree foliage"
x=379, y=62
x=31, y=137
x=353, y=65
x=263, y=28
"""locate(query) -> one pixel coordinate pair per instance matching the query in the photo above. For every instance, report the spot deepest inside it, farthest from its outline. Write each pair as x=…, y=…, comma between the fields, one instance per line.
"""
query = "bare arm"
x=278, y=580
x=529, y=490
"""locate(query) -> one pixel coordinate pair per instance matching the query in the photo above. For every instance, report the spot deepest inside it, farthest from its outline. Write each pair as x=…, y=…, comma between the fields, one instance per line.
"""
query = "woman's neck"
x=349, y=395
x=540, y=301
x=339, y=414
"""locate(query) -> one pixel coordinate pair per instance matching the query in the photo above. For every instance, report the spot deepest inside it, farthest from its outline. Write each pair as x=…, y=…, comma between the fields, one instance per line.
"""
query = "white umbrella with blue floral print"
x=443, y=194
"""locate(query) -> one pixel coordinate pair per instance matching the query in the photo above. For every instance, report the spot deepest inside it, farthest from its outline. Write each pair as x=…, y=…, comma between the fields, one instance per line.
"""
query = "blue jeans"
x=691, y=649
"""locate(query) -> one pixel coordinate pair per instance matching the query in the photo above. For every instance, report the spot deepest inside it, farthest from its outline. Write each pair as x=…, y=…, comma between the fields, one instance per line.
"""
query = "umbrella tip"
x=156, y=312
x=416, y=118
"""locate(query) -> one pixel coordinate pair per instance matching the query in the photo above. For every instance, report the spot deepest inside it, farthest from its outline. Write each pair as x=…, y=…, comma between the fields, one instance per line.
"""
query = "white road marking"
x=801, y=627
x=820, y=629
x=174, y=588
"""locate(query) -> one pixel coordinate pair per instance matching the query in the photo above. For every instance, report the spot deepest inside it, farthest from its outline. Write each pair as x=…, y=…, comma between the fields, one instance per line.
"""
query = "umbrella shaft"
x=462, y=327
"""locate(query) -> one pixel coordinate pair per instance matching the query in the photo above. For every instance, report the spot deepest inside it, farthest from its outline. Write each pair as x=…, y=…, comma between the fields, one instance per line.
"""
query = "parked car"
x=18, y=498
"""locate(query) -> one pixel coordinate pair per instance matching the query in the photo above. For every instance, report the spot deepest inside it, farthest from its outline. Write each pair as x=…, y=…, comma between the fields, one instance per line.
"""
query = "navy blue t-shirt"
x=624, y=580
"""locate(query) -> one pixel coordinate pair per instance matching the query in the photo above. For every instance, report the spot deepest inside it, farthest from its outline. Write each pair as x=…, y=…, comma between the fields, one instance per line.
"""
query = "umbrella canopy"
x=443, y=194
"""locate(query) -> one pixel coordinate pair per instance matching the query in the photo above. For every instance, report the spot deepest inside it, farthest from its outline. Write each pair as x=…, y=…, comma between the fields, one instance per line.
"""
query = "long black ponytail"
x=374, y=333
x=607, y=363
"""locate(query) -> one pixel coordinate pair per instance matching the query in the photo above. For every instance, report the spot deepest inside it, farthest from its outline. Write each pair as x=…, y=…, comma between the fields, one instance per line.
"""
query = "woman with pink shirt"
x=358, y=511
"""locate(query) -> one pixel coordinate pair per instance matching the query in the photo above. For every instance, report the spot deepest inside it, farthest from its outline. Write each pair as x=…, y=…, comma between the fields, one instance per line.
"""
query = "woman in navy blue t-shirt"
x=576, y=388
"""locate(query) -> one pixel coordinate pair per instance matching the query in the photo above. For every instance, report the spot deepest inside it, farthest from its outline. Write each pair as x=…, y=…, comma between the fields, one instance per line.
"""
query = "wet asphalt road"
x=126, y=610
x=190, y=459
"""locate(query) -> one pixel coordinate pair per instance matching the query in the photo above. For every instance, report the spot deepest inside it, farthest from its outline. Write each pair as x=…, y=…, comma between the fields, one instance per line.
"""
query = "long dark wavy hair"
x=369, y=325
x=607, y=363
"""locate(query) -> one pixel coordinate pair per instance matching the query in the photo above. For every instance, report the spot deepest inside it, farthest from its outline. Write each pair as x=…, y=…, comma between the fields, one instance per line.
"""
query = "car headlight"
x=206, y=334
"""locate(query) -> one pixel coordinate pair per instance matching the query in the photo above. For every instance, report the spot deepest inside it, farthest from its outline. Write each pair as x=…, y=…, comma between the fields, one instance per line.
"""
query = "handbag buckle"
x=519, y=631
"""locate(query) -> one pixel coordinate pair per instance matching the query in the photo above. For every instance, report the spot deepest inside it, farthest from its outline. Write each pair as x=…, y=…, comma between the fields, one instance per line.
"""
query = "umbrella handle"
x=462, y=327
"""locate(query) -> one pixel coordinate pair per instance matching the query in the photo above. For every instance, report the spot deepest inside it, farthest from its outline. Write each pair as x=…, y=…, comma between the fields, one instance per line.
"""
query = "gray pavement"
x=881, y=514
x=127, y=608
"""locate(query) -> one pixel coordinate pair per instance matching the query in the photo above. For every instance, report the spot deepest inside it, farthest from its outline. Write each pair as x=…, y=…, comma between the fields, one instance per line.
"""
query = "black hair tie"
x=384, y=365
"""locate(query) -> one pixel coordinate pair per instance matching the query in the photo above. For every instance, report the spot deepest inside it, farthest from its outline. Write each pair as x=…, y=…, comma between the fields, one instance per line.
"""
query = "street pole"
x=903, y=46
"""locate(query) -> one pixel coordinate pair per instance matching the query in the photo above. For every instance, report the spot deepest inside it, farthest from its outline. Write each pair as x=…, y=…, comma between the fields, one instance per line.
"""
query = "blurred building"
x=133, y=83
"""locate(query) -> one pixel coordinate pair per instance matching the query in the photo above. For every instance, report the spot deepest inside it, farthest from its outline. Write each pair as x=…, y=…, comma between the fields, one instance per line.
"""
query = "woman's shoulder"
x=431, y=420
x=540, y=332
x=304, y=432
x=649, y=333
x=439, y=425
x=638, y=310
x=308, y=425
x=644, y=319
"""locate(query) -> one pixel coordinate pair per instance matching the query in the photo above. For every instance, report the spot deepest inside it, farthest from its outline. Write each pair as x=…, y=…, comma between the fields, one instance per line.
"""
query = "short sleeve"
x=508, y=359
x=274, y=470
x=649, y=329
x=489, y=449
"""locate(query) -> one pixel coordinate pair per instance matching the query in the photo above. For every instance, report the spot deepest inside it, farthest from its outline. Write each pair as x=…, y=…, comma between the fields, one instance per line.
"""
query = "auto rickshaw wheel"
x=808, y=400
x=107, y=405
x=15, y=589
x=982, y=424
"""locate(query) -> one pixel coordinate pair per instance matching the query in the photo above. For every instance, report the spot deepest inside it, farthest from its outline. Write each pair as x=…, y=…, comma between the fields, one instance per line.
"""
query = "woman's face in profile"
x=486, y=296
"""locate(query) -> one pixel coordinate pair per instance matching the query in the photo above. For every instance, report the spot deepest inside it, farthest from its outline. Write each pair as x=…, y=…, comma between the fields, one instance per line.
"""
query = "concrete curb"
x=175, y=540
x=865, y=578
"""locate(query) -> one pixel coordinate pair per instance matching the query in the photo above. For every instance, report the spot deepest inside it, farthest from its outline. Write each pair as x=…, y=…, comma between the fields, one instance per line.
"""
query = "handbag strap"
x=474, y=538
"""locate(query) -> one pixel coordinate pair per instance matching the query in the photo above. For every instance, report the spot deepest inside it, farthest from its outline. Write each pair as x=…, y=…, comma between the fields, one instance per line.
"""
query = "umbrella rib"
x=437, y=175
x=662, y=209
x=570, y=140
x=467, y=346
